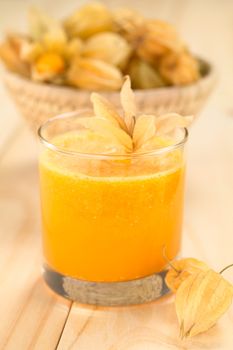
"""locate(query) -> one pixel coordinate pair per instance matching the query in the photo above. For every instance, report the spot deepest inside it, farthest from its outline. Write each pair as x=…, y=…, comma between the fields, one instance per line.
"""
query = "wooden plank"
x=31, y=317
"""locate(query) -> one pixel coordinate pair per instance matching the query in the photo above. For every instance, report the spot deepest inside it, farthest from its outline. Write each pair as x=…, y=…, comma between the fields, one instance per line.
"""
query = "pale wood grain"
x=33, y=318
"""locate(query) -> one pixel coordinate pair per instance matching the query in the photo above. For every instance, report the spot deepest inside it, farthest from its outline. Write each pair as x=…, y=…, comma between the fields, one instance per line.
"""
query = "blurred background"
x=207, y=28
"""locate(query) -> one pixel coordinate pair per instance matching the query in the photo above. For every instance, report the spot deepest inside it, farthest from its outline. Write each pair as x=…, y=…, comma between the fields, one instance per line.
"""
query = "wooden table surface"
x=31, y=317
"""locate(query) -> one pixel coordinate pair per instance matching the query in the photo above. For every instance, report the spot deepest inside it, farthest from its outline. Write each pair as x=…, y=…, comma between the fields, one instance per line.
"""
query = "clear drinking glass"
x=108, y=219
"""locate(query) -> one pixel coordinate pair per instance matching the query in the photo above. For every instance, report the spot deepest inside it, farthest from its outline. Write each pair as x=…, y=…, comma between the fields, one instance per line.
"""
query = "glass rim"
x=151, y=153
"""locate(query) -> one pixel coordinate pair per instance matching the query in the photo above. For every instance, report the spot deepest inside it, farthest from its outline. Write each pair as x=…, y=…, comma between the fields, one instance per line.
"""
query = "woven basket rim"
x=210, y=77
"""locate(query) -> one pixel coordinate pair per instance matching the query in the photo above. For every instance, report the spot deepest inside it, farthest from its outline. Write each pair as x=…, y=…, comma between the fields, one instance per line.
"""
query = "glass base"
x=131, y=292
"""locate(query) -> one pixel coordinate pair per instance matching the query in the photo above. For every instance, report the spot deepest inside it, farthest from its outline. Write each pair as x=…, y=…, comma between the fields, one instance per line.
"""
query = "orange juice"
x=110, y=220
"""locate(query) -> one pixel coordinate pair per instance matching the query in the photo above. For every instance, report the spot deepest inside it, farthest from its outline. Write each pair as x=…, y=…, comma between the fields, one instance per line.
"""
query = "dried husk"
x=107, y=128
x=89, y=20
x=74, y=48
x=93, y=74
x=143, y=75
x=155, y=142
x=126, y=22
x=31, y=50
x=128, y=104
x=39, y=23
x=156, y=38
x=109, y=47
x=55, y=40
x=201, y=300
x=47, y=30
x=181, y=269
x=105, y=109
x=48, y=67
x=143, y=130
x=179, y=68
x=150, y=51
x=10, y=55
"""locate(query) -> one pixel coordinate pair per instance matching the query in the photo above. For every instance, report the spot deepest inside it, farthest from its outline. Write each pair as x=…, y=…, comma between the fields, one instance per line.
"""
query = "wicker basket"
x=38, y=102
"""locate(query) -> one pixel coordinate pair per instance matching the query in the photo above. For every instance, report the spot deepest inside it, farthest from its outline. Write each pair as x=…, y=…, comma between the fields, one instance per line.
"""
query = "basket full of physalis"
x=52, y=68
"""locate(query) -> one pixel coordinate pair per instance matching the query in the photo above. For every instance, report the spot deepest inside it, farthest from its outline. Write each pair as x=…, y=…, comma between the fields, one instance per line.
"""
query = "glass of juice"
x=109, y=221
